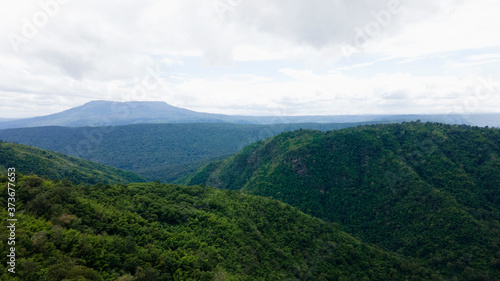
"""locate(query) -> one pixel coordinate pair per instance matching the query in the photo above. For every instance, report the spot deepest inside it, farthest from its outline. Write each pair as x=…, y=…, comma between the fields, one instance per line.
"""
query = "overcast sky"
x=252, y=57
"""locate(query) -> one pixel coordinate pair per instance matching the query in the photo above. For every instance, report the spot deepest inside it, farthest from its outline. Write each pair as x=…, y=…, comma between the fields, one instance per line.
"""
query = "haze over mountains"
x=232, y=140
x=420, y=198
x=109, y=113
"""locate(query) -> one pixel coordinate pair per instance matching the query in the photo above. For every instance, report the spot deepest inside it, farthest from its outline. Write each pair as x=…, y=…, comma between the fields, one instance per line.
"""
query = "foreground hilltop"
x=428, y=191
x=153, y=231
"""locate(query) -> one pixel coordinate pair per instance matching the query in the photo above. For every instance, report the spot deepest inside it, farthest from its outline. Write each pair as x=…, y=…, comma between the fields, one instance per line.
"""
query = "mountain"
x=427, y=191
x=108, y=113
x=27, y=159
x=161, y=152
x=152, y=231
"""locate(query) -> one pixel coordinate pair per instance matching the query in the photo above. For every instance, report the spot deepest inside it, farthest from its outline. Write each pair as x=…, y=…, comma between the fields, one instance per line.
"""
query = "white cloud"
x=471, y=25
x=485, y=57
x=310, y=93
x=257, y=57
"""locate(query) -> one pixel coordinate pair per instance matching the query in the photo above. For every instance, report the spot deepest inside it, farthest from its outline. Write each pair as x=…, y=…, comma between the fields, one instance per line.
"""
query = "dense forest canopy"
x=153, y=231
x=411, y=201
x=425, y=190
x=163, y=152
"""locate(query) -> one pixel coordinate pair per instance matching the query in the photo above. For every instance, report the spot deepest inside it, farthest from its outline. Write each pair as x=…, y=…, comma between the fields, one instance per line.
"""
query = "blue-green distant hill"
x=161, y=152
x=109, y=113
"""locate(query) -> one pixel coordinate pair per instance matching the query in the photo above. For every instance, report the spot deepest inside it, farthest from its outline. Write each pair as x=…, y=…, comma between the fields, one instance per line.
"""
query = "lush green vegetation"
x=424, y=190
x=426, y=195
x=161, y=152
x=153, y=231
x=27, y=159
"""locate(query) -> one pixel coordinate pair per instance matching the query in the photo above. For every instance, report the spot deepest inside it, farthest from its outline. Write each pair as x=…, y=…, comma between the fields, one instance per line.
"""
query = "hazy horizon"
x=281, y=58
x=367, y=114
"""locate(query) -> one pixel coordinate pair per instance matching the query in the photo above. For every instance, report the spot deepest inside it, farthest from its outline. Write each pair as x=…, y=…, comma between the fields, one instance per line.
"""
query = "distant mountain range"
x=109, y=113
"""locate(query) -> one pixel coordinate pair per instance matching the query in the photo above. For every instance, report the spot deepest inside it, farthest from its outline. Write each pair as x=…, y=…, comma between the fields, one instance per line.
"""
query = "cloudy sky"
x=252, y=57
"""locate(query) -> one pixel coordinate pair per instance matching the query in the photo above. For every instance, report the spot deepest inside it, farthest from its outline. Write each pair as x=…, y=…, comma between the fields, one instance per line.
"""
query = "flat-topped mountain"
x=110, y=113
x=107, y=113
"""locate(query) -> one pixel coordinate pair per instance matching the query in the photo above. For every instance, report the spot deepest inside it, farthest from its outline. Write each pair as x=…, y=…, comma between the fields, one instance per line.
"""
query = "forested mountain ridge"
x=27, y=159
x=425, y=190
x=153, y=231
x=161, y=152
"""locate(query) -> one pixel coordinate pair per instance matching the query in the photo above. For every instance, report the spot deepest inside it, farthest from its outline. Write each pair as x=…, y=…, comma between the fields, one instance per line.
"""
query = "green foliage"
x=153, y=231
x=55, y=165
x=164, y=152
x=424, y=190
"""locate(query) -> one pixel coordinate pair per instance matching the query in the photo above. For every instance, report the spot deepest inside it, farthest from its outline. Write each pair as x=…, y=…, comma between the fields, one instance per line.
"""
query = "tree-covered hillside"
x=153, y=231
x=27, y=159
x=161, y=152
x=429, y=191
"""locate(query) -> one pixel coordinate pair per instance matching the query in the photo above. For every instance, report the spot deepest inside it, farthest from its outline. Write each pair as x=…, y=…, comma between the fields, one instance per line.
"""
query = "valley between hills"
x=368, y=200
